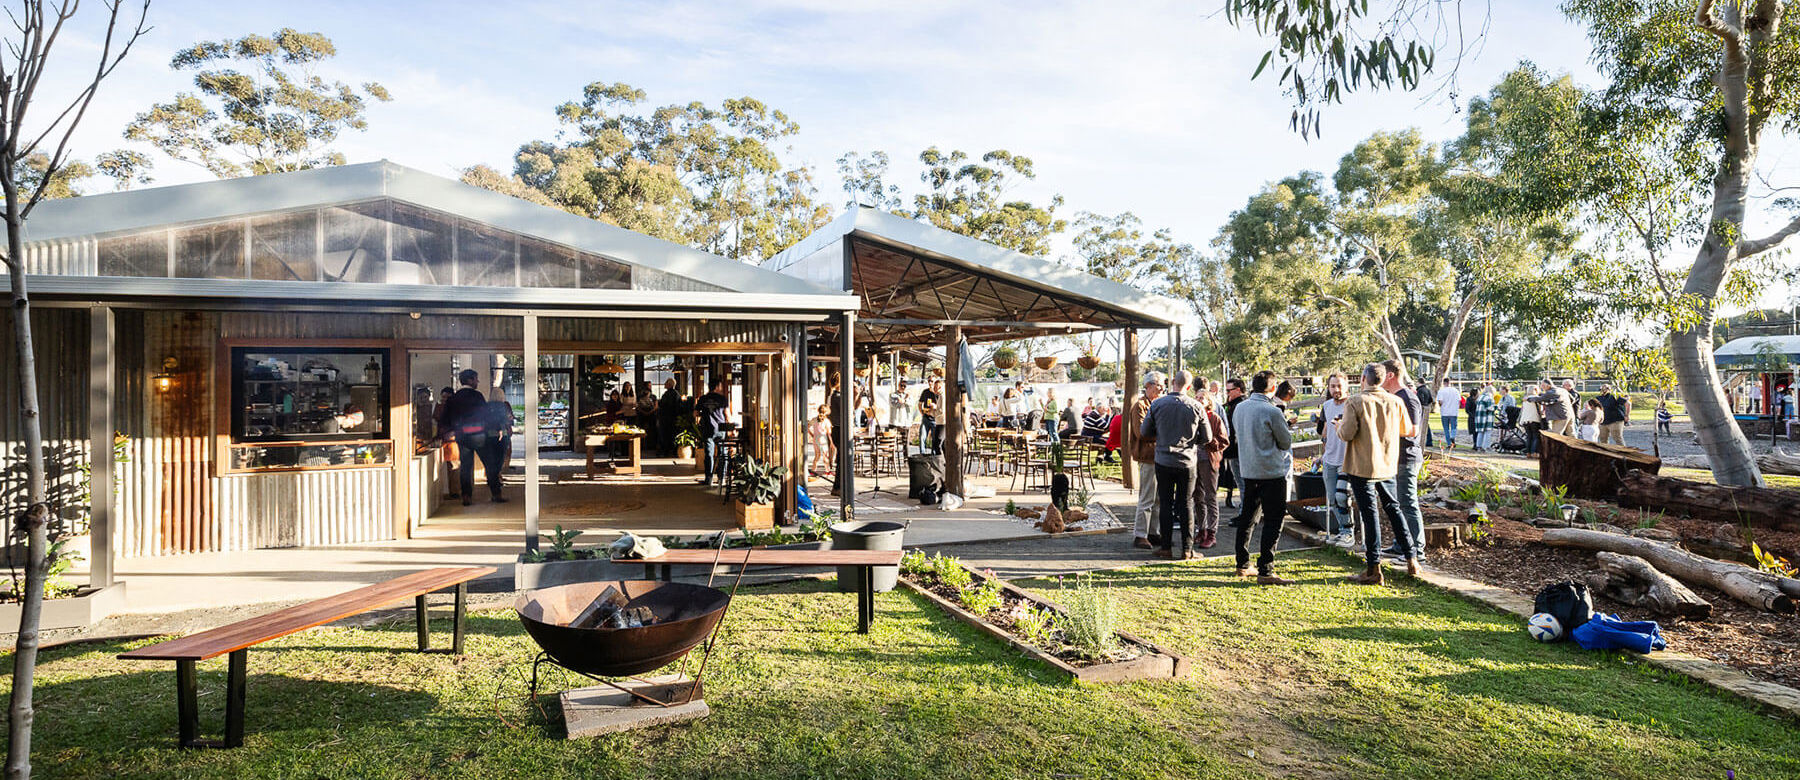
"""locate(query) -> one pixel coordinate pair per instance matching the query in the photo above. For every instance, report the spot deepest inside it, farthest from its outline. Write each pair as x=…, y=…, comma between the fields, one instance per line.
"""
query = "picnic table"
x=763, y=556
x=237, y=638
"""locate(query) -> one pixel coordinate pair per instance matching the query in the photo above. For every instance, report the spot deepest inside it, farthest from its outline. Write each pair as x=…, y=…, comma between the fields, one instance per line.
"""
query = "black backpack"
x=1568, y=602
x=928, y=495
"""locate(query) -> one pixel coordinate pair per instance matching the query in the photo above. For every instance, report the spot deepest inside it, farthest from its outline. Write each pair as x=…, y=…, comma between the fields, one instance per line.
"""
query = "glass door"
x=555, y=399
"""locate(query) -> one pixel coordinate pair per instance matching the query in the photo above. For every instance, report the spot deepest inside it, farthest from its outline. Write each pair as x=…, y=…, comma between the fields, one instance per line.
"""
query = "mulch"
x=1758, y=643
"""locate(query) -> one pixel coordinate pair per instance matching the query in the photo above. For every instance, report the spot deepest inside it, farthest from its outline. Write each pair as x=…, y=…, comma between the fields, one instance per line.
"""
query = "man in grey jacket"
x=1178, y=423
x=1265, y=460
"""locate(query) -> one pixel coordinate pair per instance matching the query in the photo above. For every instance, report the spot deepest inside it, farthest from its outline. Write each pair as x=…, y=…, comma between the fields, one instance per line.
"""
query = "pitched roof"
x=137, y=210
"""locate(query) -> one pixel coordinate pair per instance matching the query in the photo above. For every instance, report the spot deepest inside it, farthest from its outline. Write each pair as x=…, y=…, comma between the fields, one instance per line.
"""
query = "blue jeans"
x=1368, y=492
x=714, y=461
x=1337, y=522
x=1406, y=492
x=1449, y=421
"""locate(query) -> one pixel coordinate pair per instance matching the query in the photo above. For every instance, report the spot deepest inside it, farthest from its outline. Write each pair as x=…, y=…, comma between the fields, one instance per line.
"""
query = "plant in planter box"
x=754, y=486
x=1092, y=622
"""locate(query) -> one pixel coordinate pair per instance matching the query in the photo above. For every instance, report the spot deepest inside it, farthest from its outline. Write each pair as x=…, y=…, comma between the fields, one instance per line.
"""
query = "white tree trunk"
x=37, y=512
x=1453, y=338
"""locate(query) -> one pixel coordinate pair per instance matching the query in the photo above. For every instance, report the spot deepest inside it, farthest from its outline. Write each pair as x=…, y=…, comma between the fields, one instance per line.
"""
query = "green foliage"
x=1329, y=49
x=1647, y=520
x=1091, y=621
x=705, y=176
x=755, y=482
x=686, y=438
x=260, y=108
x=1772, y=563
x=1036, y=625
x=984, y=598
x=1011, y=508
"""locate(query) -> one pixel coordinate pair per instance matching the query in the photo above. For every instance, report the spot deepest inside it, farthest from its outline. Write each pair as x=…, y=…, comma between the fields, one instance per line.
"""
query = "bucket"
x=867, y=535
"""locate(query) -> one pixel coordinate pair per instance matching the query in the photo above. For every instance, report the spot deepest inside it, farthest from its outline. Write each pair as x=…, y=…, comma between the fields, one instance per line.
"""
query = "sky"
x=1145, y=107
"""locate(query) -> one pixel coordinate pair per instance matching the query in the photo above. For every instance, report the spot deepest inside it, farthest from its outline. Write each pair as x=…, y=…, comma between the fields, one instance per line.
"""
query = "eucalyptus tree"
x=34, y=150
x=260, y=107
x=973, y=198
x=705, y=176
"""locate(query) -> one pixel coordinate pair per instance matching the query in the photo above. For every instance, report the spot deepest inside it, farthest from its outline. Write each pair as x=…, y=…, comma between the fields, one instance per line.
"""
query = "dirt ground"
x=1758, y=643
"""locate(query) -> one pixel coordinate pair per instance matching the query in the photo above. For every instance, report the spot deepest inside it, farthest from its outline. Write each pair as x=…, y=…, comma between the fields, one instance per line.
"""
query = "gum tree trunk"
x=1453, y=338
x=37, y=513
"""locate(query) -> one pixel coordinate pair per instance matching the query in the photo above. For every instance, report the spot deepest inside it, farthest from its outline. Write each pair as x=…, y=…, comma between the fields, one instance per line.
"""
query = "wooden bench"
x=867, y=560
x=238, y=637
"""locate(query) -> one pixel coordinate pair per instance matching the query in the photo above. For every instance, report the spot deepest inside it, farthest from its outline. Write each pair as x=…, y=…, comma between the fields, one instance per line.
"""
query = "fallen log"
x=1760, y=507
x=1634, y=581
x=1589, y=469
x=1779, y=462
x=1758, y=589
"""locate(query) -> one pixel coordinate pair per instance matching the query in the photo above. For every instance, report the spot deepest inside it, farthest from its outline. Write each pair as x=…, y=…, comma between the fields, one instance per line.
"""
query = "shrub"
x=984, y=598
x=1037, y=626
x=1091, y=624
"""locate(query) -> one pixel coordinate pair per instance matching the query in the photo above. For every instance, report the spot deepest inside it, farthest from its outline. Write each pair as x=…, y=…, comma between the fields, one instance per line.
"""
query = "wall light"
x=166, y=380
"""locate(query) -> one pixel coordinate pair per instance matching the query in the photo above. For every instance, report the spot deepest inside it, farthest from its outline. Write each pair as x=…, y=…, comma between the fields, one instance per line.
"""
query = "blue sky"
x=1143, y=107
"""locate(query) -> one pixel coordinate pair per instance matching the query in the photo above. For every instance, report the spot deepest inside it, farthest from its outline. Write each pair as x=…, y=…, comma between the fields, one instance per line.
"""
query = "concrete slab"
x=603, y=709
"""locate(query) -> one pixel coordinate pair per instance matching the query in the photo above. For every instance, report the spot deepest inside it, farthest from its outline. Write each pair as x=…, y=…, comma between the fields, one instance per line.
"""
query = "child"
x=818, y=434
x=1663, y=418
x=1590, y=421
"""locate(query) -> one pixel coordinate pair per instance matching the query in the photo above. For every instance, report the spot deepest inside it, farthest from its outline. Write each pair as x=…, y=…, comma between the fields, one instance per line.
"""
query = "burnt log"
x=1589, y=469
x=1634, y=581
x=1758, y=589
x=1760, y=507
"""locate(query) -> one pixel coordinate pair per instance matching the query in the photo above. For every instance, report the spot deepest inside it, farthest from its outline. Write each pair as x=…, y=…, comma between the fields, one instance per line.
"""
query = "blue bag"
x=802, y=502
x=1608, y=632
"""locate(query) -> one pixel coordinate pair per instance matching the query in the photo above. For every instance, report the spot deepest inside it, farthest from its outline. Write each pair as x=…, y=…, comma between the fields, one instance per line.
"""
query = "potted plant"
x=1005, y=358
x=754, y=486
x=685, y=444
x=1045, y=362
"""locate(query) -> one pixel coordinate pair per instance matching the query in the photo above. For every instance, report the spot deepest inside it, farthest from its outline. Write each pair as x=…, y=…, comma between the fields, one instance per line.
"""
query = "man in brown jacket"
x=1374, y=422
x=1143, y=456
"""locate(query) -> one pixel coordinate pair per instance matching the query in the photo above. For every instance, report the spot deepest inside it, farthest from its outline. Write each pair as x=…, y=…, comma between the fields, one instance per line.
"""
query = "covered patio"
x=922, y=290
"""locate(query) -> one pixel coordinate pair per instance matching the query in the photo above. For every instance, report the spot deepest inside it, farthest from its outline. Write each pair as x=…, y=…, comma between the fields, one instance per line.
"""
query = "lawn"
x=1321, y=679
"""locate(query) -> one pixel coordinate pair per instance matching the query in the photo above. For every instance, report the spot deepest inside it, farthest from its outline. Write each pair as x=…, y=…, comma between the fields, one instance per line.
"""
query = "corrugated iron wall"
x=60, y=345
x=65, y=257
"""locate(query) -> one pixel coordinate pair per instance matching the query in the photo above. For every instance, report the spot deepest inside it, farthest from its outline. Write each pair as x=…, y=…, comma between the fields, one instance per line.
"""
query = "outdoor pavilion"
x=920, y=287
x=165, y=315
x=1770, y=361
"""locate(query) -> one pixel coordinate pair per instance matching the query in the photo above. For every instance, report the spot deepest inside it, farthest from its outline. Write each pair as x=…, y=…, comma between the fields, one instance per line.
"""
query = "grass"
x=1320, y=679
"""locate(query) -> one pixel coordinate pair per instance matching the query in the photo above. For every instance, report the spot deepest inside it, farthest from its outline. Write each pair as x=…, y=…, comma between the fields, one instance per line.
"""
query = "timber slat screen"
x=238, y=637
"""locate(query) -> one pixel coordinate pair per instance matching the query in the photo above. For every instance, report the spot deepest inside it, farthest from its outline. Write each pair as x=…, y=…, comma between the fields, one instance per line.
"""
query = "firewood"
x=1634, y=581
x=1758, y=589
x=1760, y=507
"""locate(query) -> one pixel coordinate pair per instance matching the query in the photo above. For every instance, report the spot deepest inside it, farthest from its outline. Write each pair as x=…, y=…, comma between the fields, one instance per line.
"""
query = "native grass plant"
x=1083, y=497
x=562, y=548
x=1647, y=520
x=1549, y=503
x=1424, y=471
x=1481, y=529
x=1091, y=621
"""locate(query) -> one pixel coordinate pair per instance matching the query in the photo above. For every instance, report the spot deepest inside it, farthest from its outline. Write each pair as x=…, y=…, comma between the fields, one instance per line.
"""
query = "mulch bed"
x=1759, y=643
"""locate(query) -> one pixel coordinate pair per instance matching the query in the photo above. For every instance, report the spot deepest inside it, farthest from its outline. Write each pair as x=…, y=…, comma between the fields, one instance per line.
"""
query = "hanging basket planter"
x=1088, y=362
x=1006, y=359
x=1046, y=362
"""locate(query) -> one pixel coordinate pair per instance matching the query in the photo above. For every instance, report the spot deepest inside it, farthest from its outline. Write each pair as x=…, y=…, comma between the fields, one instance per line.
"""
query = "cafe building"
x=248, y=361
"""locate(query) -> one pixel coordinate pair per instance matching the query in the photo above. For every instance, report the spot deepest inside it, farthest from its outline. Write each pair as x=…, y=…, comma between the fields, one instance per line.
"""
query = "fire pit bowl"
x=685, y=615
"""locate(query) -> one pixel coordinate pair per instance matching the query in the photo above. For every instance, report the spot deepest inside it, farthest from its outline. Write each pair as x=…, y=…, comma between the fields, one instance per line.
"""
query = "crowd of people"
x=1559, y=408
x=1190, y=437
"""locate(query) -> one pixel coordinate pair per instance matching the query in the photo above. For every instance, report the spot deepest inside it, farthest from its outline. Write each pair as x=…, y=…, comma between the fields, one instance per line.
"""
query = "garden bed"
x=1040, y=628
x=1514, y=557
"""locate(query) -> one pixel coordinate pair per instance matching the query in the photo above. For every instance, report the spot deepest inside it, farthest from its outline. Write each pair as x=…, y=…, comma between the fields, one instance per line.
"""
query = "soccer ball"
x=1544, y=627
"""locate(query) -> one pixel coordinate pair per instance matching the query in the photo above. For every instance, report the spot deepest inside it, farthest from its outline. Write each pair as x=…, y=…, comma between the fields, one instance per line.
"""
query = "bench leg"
x=462, y=603
x=423, y=618
x=649, y=571
x=187, y=705
x=865, y=601
x=668, y=572
x=235, y=684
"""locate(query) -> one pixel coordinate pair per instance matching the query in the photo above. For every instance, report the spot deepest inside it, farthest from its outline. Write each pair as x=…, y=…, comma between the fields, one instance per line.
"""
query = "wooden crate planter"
x=754, y=517
x=1153, y=663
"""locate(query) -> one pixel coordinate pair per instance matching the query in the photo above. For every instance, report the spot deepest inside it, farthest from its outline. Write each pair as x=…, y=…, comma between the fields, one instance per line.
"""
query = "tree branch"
x=1710, y=22
x=1747, y=249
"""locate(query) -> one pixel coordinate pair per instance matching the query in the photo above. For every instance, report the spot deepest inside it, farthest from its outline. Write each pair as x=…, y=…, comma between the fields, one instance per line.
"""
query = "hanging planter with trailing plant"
x=1005, y=358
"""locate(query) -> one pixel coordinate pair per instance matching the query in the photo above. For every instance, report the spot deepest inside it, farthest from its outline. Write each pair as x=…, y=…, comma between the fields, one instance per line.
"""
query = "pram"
x=1511, y=438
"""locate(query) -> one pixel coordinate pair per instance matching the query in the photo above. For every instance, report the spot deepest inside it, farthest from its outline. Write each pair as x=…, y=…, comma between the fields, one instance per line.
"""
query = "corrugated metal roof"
x=881, y=227
x=1751, y=348
x=136, y=210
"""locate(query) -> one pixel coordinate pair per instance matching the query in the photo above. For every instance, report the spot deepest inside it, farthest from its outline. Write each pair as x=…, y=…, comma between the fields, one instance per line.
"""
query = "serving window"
x=302, y=407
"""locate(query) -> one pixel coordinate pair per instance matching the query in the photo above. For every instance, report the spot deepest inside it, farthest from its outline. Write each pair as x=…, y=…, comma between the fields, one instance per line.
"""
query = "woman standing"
x=1481, y=418
x=1590, y=421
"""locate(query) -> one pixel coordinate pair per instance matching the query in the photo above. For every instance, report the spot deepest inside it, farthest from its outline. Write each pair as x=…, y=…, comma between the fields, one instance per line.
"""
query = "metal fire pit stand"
x=712, y=640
